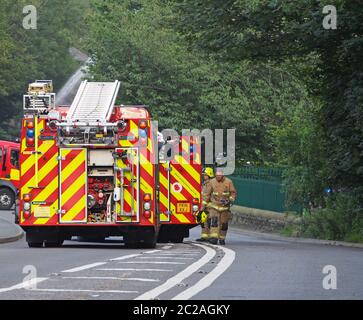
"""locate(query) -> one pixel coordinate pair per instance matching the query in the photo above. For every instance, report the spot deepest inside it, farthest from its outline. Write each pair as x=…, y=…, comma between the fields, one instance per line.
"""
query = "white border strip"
x=173, y=281
x=205, y=282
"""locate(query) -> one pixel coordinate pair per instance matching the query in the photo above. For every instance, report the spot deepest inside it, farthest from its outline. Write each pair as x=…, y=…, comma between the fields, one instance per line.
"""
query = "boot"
x=222, y=242
x=201, y=240
x=213, y=240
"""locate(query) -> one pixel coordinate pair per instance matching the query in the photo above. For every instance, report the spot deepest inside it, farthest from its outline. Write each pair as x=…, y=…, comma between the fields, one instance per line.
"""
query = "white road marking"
x=152, y=251
x=166, y=254
x=164, y=257
x=126, y=257
x=133, y=269
x=133, y=255
x=205, y=282
x=84, y=290
x=85, y=267
x=166, y=247
x=153, y=262
x=113, y=278
x=24, y=285
x=173, y=281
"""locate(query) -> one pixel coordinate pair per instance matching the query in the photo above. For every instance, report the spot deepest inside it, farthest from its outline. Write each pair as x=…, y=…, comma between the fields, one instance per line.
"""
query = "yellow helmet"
x=209, y=172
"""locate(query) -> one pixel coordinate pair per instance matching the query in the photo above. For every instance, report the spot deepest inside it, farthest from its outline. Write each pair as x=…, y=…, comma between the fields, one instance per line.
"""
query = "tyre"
x=53, y=244
x=7, y=199
x=35, y=244
x=134, y=243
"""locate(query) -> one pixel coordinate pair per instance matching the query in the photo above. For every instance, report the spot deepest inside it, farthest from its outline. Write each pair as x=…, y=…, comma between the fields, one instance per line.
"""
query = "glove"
x=204, y=217
x=198, y=216
x=225, y=202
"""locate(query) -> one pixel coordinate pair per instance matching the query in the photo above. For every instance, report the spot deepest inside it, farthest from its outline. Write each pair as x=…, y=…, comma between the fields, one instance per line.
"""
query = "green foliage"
x=341, y=219
x=26, y=55
x=184, y=86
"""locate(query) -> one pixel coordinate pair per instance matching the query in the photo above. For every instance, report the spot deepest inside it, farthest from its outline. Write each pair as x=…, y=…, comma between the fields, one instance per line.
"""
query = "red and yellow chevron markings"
x=45, y=194
x=73, y=191
x=130, y=204
x=184, y=173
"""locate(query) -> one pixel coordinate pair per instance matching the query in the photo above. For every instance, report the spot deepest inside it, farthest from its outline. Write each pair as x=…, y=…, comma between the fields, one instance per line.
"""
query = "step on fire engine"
x=92, y=170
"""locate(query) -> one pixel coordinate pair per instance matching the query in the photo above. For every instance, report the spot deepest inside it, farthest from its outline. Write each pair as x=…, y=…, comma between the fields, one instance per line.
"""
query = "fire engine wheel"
x=52, y=244
x=148, y=243
x=7, y=199
x=35, y=244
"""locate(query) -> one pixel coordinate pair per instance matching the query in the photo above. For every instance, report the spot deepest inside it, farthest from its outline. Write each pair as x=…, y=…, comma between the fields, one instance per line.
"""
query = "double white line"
x=205, y=282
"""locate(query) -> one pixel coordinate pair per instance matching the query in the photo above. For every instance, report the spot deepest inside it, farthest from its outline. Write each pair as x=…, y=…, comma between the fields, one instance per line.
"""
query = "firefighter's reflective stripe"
x=217, y=207
x=73, y=185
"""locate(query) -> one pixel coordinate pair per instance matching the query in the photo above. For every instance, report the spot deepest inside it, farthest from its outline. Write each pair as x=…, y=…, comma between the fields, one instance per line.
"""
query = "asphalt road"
x=251, y=266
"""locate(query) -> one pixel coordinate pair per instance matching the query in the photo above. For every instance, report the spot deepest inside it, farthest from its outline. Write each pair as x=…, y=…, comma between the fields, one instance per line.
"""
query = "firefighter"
x=208, y=175
x=219, y=196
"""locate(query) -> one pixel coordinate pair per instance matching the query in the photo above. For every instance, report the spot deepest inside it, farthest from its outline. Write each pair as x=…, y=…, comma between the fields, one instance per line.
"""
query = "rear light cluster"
x=30, y=133
x=147, y=206
x=143, y=132
x=195, y=205
x=26, y=206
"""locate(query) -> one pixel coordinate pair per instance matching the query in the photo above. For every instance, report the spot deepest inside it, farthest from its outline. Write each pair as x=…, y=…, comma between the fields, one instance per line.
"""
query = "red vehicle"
x=9, y=173
x=90, y=170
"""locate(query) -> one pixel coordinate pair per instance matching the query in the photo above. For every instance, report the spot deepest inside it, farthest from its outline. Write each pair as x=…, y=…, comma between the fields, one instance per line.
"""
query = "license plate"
x=42, y=212
x=182, y=207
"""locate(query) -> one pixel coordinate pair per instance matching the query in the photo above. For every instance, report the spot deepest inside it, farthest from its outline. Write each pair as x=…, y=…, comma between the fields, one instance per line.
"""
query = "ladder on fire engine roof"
x=94, y=102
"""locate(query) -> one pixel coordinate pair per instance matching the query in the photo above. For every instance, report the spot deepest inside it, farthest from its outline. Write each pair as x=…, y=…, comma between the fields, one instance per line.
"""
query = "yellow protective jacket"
x=215, y=194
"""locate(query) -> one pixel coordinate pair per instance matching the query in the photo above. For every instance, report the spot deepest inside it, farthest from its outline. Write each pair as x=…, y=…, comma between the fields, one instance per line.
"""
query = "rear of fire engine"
x=95, y=170
x=89, y=169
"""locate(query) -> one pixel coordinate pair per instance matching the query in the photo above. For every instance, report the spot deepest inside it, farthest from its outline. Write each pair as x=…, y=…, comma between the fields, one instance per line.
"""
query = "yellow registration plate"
x=183, y=207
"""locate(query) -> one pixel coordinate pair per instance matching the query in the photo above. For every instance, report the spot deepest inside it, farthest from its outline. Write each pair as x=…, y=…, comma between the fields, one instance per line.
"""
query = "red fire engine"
x=92, y=170
x=9, y=173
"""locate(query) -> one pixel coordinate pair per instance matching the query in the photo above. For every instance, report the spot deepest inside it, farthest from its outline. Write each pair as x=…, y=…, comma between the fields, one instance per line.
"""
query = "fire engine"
x=92, y=170
x=9, y=173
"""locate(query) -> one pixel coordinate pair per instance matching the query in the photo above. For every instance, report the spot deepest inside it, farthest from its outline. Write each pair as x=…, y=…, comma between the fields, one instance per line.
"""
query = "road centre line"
x=205, y=282
x=85, y=267
x=113, y=278
x=126, y=257
x=163, y=257
x=175, y=280
x=24, y=285
x=133, y=255
x=152, y=262
x=84, y=290
x=133, y=269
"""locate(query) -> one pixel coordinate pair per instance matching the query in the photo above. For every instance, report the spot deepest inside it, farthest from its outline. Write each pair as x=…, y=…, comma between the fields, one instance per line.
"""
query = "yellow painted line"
x=48, y=167
x=76, y=209
x=181, y=218
x=76, y=185
x=189, y=168
x=145, y=187
x=74, y=164
x=144, y=163
x=184, y=182
x=28, y=163
x=51, y=187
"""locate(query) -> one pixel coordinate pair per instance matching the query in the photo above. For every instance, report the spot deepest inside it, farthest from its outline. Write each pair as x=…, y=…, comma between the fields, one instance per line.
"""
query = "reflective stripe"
x=205, y=235
x=216, y=207
x=213, y=235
